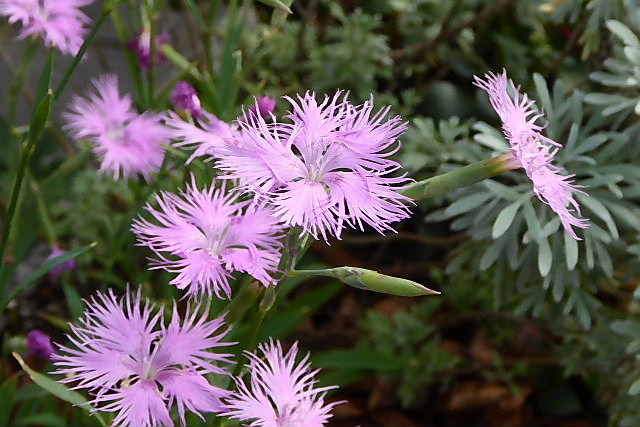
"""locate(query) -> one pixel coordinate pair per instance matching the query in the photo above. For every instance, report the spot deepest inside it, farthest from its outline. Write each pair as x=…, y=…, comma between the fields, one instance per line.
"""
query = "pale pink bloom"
x=280, y=392
x=533, y=151
x=185, y=98
x=126, y=142
x=205, y=235
x=330, y=167
x=60, y=23
x=208, y=139
x=139, y=368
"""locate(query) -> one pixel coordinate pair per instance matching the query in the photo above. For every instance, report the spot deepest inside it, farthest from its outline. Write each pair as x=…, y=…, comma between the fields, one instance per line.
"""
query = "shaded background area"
x=501, y=346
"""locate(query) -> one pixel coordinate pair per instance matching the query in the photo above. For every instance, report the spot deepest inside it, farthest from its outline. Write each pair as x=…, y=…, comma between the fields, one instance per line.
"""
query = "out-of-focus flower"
x=126, y=142
x=265, y=106
x=142, y=46
x=205, y=235
x=185, y=98
x=69, y=265
x=39, y=344
x=532, y=150
x=136, y=366
x=329, y=168
x=280, y=393
x=60, y=23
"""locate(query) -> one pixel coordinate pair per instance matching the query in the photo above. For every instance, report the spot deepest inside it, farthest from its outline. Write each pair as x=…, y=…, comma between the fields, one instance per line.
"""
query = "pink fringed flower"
x=136, y=366
x=205, y=235
x=280, y=393
x=210, y=139
x=533, y=151
x=127, y=143
x=329, y=168
x=60, y=23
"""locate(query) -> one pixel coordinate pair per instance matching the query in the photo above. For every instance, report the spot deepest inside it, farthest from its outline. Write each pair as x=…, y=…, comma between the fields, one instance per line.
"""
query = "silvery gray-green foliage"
x=597, y=13
x=622, y=72
x=535, y=263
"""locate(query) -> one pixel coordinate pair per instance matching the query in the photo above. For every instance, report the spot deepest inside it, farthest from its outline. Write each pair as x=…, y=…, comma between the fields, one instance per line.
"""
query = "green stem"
x=443, y=184
x=83, y=49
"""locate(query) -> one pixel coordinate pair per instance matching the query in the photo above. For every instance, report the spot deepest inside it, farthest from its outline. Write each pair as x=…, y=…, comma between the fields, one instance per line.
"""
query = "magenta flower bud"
x=39, y=343
x=57, y=271
x=186, y=98
x=142, y=46
x=265, y=106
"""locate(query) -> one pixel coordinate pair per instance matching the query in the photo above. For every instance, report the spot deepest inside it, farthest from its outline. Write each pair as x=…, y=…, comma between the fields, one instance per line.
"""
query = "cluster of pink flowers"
x=533, y=151
x=60, y=24
x=140, y=369
x=126, y=141
x=329, y=166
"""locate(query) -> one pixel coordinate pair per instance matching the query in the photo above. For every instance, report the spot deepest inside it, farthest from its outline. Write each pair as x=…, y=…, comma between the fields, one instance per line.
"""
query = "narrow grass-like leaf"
x=57, y=389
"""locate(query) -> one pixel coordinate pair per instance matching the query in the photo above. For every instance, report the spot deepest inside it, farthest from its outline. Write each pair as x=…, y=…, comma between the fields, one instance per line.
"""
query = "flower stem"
x=467, y=175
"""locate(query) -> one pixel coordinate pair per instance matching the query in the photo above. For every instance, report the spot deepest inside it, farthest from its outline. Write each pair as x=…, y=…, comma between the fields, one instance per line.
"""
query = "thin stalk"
x=132, y=59
x=467, y=175
x=83, y=49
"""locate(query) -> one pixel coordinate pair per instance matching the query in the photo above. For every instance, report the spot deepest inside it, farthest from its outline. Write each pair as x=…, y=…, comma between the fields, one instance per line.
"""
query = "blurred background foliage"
x=532, y=327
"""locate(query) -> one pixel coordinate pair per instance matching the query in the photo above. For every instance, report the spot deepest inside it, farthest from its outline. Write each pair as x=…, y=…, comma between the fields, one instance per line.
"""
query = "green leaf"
x=543, y=93
x=502, y=190
x=44, y=84
x=7, y=393
x=623, y=32
x=467, y=203
x=278, y=4
x=74, y=301
x=545, y=257
x=601, y=211
x=57, y=389
x=635, y=388
x=505, y=219
x=44, y=269
x=570, y=251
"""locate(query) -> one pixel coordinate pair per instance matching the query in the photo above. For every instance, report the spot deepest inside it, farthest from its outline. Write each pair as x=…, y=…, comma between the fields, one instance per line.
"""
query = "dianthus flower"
x=280, y=393
x=533, y=151
x=328, y=168
x=127, y=142
x=136, y=366
x=205, y=235
x=60, y=23
x=209, y=139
